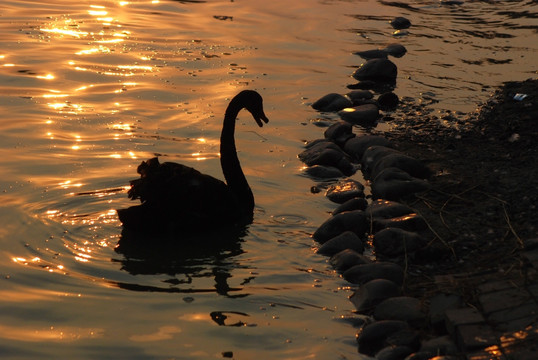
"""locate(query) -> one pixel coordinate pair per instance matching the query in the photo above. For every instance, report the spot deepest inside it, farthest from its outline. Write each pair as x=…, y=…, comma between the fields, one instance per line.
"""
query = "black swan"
x=179, y=198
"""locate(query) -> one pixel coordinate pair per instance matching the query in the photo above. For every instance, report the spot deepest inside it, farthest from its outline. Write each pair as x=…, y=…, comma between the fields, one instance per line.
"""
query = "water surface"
x=90, y=89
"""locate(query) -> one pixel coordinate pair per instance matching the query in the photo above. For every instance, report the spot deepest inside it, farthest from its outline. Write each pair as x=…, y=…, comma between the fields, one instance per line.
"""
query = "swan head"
x=253, y=102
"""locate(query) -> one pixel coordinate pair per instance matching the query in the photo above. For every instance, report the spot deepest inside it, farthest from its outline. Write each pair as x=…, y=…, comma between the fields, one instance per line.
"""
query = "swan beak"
x=259, y=117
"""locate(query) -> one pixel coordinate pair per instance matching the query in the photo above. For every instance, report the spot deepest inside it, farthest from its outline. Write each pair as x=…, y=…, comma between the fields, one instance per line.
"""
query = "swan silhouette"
x=176, y=197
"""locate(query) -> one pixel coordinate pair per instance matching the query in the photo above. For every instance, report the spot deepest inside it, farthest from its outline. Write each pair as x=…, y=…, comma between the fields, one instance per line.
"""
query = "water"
x=90, y=89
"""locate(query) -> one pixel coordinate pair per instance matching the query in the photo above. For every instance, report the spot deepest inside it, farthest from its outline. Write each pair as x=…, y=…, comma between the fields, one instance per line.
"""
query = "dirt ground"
x=482, y=205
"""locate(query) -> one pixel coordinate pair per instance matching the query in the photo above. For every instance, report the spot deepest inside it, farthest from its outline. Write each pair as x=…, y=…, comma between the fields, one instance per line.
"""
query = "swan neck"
x=231, y=167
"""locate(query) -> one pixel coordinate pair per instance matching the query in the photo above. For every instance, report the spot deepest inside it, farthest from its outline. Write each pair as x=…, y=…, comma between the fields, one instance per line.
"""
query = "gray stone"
x=527, y=310
x=351, y=204
x=346, y=240
x=373, y=154
x=323, y=172
x=356, y=146
x=394, y=242
x=409, y=222
x=372, y=293
x=393, y=352
x=372, y=54
x=395, y=50
x=345, y=190
x=504, y=299
x=339, y=132
x=332, y=102
x=400, y=23
x=401, y=161
x=361, y=274
x=458, y=317
x=364, y=115
x=346, y=259
x=377, y=70
x=372, y=337
x=472, y=337
x=394, y=184
x=359, y=95
x=403, y=308
x=386, y=209
x=327, y=153
x=351, y=220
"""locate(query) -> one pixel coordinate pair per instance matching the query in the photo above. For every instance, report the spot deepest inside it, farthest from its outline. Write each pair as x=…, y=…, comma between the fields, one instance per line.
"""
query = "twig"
x=507, y=218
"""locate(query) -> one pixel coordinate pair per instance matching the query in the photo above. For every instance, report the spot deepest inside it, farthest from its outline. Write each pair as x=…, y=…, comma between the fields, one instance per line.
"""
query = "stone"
x=504, y=299
x=339, y=132
x=363, y=115
x=393, y=352
x=361, y=274
x=409, y=222
x=351, y=204
x=346, y=259
x=346, y=240
x=386, y=209
x=374, y=154
x=400, y=23
x=372, y=337
x=472, y=337
x=359, y=96
x=323, y=172
x=377, y=70
x=347, y=221
x=345, y=190
x=527, y=310
x=395, y=50
x=356, y=146
x=388, y=101
x=458, y=317
x=403, y=308
x=394, y=184
x=331, y=102
x=394, y=242
x=410, y=165
x=368, y=295
x=328, y=154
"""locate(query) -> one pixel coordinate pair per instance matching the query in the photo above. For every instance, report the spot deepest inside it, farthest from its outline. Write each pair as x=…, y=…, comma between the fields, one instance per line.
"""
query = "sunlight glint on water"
x=90, y=89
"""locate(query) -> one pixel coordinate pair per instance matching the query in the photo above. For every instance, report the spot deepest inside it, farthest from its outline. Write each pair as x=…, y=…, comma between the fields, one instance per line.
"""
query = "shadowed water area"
x=90, y=89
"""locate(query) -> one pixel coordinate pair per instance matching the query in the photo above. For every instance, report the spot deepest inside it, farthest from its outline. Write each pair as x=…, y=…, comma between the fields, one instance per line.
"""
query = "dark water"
x=89, y=89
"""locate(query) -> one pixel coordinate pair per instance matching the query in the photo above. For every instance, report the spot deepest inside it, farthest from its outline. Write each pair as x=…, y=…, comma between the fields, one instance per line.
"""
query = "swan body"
x=179, y=198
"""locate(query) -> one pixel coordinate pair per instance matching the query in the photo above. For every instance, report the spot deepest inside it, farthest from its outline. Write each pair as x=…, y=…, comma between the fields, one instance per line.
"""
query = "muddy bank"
x=482, y=203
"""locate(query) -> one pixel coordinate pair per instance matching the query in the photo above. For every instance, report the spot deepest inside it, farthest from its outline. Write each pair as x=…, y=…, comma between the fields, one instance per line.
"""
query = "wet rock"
x=359, y=96
x=346, y=240
x=372, y=293
x=347, y=221
x=393, y=352
x=339, y=132
x=402, y=308
x=377, y=70
x=373, y=337
x=364, y=115
x=372, y=54
x=350, y=205
x=373, y=154
x=409, y=222
x=356, y=146
x=361, y=274
x=396, y=50
x=388, y=101
x=332, y=102
x=346, y=259
x=328, y=154
x=323, y=172
x=386, y=209
x=401, y=161
x=400, y=23
x=394, y=242
x=313, y=143
x=345, y=190
x=394, y=184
